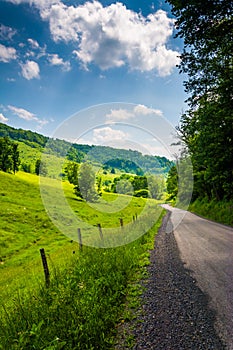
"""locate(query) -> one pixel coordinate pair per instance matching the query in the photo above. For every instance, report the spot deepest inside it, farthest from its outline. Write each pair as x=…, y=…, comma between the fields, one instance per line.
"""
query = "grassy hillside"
x=25, y=226
x=88, y=289
x=124, y=160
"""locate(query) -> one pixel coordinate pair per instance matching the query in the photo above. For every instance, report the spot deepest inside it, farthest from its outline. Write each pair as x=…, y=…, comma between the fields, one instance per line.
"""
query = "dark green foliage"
x=41, y=168
x=9, y=155
x=71, y=172
x=172, y=183
x=27, y=168
x=142, y=193
x=207, y=127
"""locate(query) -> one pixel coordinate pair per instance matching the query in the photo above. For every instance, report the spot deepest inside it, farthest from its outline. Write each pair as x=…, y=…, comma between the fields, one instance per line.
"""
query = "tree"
x=156, y=186
x=9, y=155
x=71, y=170
x=207, y=60
x=15, y=158
x=172, y=183
x=85, y=187
x=40, y=168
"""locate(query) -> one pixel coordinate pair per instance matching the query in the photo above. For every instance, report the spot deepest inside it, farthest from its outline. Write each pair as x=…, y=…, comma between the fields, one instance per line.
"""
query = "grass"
x=220, y=211
x=88, y=289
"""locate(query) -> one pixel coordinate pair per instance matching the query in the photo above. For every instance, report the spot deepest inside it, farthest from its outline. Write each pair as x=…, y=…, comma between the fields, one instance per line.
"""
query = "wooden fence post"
x=45, y=266
x=100, y=231
x=80, y=239
x=121, y=223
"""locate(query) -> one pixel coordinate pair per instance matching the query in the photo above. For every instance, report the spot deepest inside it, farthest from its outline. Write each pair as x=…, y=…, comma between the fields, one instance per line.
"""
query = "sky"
x=106, y=69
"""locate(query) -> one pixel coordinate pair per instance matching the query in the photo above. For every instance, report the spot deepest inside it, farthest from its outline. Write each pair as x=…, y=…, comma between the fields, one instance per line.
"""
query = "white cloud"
x=108, y=135
x=7, y=53
x=30, y=70
x=3, y=119
x=123, y=115
x=111, y=36
x=6, y=33
x=118, y=115
x=143, y=110
x=22, y=113
x=26, y=115
x=55, y=60
x=34, y=44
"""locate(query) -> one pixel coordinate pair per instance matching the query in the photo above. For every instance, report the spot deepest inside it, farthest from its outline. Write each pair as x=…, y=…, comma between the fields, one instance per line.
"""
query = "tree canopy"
x=207, y=60
x=9, y=155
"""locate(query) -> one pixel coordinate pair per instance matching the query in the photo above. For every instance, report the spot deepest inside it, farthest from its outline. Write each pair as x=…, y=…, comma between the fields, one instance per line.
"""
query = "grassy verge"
x=220, y=211
x=89, y=289
x=84, y=303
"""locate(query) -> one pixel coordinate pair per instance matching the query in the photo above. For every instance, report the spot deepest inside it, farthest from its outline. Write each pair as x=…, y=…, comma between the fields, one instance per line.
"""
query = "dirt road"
x=206, y=248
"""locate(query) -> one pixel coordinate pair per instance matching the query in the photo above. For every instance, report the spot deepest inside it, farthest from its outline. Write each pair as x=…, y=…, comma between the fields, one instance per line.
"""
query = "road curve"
x=206, y=248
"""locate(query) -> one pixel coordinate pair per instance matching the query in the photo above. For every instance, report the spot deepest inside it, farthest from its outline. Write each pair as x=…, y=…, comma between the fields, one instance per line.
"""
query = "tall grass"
x=88, y=289
x=84, y=303
x=220, y=211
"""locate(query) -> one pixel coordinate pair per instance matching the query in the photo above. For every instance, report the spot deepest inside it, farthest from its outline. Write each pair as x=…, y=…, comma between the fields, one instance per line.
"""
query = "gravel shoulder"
x=174, y=312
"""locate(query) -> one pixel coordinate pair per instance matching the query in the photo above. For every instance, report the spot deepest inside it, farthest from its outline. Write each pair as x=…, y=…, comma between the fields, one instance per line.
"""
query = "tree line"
x=206, y=127
x=88, y=186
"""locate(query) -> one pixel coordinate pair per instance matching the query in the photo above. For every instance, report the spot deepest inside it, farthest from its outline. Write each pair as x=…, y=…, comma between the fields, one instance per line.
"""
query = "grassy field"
x=88, y=289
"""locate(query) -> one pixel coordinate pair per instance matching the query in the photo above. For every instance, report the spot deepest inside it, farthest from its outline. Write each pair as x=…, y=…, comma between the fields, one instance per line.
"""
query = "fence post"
x=80, y=239
x=100, y=231
x=45, y=266
x=121, y=223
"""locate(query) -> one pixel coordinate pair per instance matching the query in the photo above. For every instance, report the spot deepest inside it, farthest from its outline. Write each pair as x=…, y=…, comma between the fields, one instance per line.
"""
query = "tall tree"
x=9, y=155
x=207, y=60
x=15, y=157
x=86, y=183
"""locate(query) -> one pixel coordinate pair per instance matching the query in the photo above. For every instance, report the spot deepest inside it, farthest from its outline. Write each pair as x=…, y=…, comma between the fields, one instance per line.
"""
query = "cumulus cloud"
x=111, y=36
x=26, y=115
x=3, y=119
x=123, y=115
x=30, y=70
x=6, y=33
x=119, y=115
x=7, y=53
x=107, y=134
x=144, y=110
x=55, y=60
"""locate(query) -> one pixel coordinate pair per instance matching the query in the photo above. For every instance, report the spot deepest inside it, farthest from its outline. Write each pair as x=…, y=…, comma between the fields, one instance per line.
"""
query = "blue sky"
x=61, y=57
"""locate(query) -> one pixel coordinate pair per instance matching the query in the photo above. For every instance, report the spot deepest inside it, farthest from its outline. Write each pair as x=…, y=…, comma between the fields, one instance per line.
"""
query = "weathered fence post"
x=121, y=223
x=100, y=231
x=45, y=266
x=80, y=239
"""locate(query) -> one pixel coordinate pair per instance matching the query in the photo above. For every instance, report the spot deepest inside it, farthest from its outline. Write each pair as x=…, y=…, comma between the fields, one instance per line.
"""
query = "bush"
x=142, y=193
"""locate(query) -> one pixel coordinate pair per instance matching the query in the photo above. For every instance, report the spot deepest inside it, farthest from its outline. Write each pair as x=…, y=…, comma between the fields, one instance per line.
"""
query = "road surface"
x=206, y=248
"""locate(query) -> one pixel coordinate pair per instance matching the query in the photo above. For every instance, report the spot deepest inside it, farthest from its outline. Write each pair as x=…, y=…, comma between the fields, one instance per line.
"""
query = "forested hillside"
x=124, y=160
x=206, y=127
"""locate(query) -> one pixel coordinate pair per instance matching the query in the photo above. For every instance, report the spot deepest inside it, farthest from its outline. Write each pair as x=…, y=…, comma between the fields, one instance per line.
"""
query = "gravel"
x=174, y=313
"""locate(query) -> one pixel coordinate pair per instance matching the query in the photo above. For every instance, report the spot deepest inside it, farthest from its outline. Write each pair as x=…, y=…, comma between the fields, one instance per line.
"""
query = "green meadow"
x=89, y=289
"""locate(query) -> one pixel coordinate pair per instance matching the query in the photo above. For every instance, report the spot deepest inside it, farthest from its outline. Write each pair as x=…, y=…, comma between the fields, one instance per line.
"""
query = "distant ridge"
x=122, y=159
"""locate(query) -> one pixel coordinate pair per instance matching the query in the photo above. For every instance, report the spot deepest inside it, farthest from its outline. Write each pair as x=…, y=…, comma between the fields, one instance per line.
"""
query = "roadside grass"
x=85, y=302
x=25, y=228
x=89, y=289
x=219, y=211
